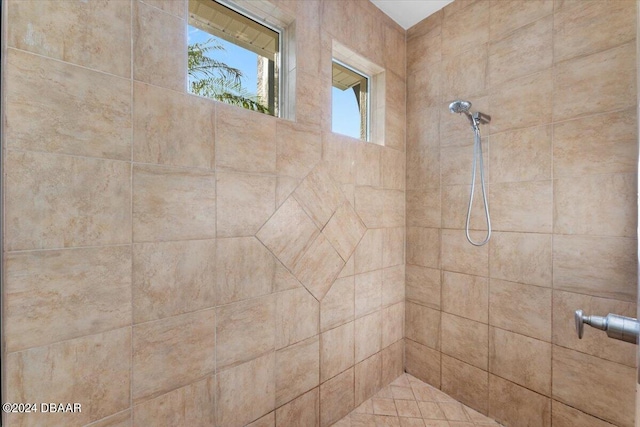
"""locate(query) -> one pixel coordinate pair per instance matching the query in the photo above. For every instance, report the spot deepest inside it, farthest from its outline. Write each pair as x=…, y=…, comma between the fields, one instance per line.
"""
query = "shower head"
x=460, y=106
x=476, y=119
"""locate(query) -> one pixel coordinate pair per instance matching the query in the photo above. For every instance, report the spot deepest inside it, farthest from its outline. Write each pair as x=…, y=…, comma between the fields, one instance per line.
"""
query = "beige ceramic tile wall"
x=170, y=260
x=559, y=80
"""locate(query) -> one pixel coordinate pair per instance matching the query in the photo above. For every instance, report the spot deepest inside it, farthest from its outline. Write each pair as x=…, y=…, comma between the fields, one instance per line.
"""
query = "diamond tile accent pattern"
x=314, y=232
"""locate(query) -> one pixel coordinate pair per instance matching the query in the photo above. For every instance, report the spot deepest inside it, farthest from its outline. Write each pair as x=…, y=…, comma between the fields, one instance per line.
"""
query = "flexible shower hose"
x=477, y=153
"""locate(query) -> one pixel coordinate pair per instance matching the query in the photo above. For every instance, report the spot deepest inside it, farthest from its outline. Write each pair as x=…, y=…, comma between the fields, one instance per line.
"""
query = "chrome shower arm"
x=481, y=118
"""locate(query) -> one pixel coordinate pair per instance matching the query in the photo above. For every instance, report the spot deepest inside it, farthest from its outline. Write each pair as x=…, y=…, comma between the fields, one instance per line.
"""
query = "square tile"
x=338, y=305
x=159, y=48
x=588, y=28
x=520, y=308
x=369, y=205
x=423, y=247
x=336, y=351
x=184, y=342
x=567, y=416
x=367, y=378
x=319, y=195
x=384, y=407
x=71, y=33
x=393, y=288
x=466, y=296
x=613, y=384
x=392, y=324
x=171, y=278
x=600, y=266
x=55, y=201
x=368, y=165
x=431, y=410
x=368, y=254
x=596, y=144
x=459, y=256
x=80, y=112
x=393, y=246
x=521, y=155
x=522, y=360
x=246, y=392
x=368, y=335
x=172, y=128
x=244, y=269
x=297, y=369
x=521, y=257
x=245, y=203
x=423, y=286
x=392, y=361
x=318, y=268
x=507, y=16
x=336, y=398
x=304, y=410
x=514, y=405
x=53, y=296
x=289, y=232
x=466, y=383
x=298, y=148
x=95, y=370
x=465, y=340
x=297, y=316
x=422, y=324
x=172, y=204
x=525, y=51
x=595, y=344
x=190, y=405
x=344, y=230
x=522, y=206
x=453, y=411
x=609, y=211
x=368, y=292
x=586, y=85
x=245, y=330
x=407, y=408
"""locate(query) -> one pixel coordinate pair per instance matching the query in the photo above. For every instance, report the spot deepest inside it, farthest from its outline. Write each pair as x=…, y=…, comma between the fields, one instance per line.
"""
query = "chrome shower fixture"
x=459, y=106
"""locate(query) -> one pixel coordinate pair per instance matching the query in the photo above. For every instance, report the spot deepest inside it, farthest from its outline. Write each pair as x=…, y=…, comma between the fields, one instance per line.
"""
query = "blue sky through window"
x=345, y=118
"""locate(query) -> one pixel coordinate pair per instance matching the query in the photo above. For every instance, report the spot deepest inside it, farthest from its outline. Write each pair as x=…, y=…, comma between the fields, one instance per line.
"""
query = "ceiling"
x=407, y=13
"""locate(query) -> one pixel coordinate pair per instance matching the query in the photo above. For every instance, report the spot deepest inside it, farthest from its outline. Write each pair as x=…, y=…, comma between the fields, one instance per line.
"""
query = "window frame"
x=278, y=62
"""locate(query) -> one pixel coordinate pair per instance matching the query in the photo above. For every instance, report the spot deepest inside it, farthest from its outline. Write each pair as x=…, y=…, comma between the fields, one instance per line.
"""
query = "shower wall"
x=493, y=325
x=174, y=261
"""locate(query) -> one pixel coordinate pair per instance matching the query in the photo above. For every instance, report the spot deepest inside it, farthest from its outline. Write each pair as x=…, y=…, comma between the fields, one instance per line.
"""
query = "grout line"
x=131, y=70
x=553, y=194
x=5, y=7
x=72, y=64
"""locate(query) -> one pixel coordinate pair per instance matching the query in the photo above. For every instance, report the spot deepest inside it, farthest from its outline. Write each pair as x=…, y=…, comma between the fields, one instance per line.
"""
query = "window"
x=233, y=58
x=350, y=101
x=358, y=95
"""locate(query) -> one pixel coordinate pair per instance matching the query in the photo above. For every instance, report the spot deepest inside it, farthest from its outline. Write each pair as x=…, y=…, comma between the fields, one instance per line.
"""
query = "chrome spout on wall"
x=618, y=327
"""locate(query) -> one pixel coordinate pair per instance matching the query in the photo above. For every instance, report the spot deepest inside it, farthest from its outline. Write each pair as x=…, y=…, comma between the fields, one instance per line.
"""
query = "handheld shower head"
x=460, y=106
x=476, y=119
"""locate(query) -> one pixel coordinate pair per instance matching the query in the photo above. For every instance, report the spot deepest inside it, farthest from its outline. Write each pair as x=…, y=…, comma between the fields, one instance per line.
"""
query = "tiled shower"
x=493, y=325
x=169, y=260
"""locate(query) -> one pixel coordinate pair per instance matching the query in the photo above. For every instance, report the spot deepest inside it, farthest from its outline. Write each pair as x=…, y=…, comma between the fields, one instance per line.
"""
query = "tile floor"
x=409, y=402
